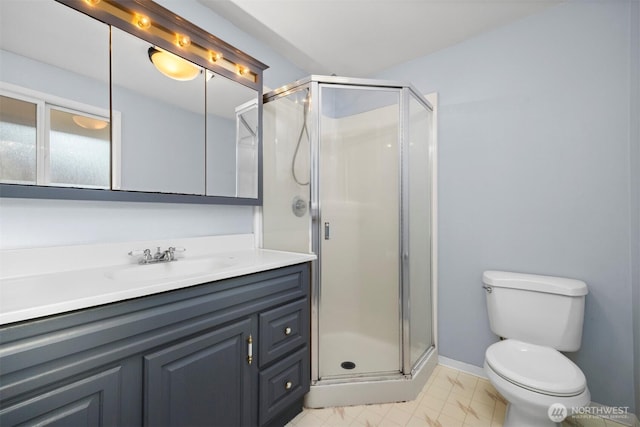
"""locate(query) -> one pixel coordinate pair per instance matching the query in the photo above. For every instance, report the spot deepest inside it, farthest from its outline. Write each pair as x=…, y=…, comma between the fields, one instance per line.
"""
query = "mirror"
x=232, y=138
x=54, y=109
x=85, y=109
x=163, y=126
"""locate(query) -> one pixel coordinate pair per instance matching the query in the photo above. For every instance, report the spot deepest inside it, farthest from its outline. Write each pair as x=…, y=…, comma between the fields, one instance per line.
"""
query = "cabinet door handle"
x=288, y=385
x=287, y=331
x=250, y=349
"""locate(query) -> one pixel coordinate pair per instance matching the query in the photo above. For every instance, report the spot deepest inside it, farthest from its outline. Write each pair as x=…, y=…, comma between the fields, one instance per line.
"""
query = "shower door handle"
x=327, y=228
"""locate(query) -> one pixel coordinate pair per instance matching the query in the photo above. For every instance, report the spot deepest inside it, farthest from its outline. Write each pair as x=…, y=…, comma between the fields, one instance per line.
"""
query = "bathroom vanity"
x=227, y=352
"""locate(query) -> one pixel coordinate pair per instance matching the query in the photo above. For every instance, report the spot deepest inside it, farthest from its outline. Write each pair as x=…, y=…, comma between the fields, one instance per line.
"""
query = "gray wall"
x=28, y=73
x=534, y=160
x=32, y=223
x=635, y=190
x=221, y=156
x=163, y=145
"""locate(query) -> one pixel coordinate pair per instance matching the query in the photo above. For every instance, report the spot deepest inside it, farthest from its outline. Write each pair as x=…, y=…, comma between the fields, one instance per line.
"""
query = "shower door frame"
x=313, y=83
x=317, y=235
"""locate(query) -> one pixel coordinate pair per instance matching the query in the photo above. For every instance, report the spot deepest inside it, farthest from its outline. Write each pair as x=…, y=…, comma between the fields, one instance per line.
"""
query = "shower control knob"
x=287, y=331
x=288, y=385
x=299, y=206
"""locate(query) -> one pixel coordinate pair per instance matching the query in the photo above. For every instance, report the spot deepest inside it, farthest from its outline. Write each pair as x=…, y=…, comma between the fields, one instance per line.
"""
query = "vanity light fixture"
x=89, y=122
x=172, y=65
x=164, y=30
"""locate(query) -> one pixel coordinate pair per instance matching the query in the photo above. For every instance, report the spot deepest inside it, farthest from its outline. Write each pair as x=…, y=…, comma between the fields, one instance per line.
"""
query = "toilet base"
x=530, y=409
x=517, y=417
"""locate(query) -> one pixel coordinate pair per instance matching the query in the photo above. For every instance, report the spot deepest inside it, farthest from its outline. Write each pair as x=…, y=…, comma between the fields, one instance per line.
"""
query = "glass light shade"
x=89, y=123
x=172, y=65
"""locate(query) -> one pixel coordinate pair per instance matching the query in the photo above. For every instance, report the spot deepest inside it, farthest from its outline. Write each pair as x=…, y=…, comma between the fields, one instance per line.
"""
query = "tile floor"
x=450, y=398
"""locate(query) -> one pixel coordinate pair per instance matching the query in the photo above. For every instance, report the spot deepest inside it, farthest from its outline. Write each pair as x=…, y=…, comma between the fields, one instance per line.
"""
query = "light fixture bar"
x=142, y=21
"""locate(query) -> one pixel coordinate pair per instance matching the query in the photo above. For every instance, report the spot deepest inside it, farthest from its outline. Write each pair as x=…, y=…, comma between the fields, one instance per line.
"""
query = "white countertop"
x=58, y=290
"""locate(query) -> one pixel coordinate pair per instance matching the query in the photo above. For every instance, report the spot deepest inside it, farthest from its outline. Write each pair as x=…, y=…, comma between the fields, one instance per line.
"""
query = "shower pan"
x=347, y=173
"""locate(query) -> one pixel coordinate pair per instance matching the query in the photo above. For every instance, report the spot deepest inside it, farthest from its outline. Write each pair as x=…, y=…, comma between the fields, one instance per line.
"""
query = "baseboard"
x=616, y=414
x=462, y=366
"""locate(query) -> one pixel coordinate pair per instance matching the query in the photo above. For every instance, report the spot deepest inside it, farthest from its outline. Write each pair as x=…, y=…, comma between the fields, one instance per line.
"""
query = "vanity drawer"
x=283, y=384
x=283, y=329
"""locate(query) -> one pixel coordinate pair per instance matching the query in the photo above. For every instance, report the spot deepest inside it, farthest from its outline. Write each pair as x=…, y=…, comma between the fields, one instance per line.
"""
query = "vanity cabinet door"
x=91, y=401
x=203, y=381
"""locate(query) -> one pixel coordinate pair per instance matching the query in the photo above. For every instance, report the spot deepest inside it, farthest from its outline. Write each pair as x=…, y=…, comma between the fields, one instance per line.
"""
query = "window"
x=46, y=140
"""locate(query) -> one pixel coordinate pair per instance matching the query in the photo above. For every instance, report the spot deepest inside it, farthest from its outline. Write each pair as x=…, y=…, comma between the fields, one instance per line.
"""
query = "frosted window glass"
x=17, y=141
x=79, y=156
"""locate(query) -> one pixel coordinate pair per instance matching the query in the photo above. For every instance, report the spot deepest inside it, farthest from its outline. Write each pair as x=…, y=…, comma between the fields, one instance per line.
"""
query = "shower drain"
x=348, y=365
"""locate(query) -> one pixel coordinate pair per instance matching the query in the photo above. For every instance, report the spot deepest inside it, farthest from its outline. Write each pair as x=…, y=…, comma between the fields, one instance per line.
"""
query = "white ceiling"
x=358, y=38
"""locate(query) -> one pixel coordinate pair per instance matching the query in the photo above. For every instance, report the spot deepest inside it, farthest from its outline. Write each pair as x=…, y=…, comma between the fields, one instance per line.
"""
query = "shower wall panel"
x=282, y=124
x=419, y=213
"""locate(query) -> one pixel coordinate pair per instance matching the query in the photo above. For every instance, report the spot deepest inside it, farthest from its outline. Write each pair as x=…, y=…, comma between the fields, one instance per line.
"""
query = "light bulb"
x=215, y=56
x=142, y=21
x=182, y=40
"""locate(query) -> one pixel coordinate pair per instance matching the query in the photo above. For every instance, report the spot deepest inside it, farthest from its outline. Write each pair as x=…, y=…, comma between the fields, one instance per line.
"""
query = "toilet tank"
x=541, y=310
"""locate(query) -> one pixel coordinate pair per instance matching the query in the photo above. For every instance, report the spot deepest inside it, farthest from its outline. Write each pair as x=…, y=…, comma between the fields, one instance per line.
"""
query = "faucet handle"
x=145, y=255
x=138, y=252
x=172, y=250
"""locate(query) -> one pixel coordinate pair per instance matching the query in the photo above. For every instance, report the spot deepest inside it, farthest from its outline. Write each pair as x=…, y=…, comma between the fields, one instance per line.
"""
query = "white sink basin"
x=170, y=270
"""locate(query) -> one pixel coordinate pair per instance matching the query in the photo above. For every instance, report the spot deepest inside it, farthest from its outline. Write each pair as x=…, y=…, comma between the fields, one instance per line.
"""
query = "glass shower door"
x=359, y=224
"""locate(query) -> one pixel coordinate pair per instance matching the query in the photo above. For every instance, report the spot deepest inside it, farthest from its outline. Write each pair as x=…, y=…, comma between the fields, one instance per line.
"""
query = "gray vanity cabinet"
x=204, y=381
x=92, y=400
x=228, y=353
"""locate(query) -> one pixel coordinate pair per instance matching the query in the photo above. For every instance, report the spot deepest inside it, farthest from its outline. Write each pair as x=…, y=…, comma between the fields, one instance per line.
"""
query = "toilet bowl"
x=536, y=317
x=533, y=379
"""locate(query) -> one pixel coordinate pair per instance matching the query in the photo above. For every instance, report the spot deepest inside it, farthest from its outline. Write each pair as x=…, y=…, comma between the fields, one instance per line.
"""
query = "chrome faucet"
x=160, y=256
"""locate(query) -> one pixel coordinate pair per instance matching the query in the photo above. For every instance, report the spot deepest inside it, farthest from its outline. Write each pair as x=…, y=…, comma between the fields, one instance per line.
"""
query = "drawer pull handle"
x=288, y=385
x=287, y=331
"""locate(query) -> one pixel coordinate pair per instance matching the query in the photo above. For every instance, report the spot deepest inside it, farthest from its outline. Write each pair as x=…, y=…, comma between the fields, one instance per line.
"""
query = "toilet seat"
x=536, y=368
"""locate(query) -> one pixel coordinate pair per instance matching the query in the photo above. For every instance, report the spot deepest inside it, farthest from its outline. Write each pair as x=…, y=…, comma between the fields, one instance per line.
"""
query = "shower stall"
x=347, y=172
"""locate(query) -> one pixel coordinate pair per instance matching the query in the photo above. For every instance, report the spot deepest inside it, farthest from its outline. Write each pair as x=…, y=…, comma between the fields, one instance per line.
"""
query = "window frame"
x=44, y=102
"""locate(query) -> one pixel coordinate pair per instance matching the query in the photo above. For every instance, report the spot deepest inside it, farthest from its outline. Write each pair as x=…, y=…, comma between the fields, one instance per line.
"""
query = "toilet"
x=536, y=317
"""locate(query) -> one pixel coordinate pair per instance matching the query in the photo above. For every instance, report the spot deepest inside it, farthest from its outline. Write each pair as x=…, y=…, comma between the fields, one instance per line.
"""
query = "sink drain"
x=348, y=365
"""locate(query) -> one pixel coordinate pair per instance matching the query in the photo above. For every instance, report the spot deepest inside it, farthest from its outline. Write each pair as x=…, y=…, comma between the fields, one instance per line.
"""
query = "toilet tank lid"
x=536, y=283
